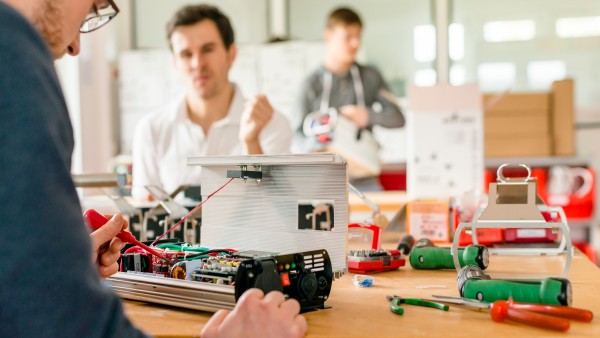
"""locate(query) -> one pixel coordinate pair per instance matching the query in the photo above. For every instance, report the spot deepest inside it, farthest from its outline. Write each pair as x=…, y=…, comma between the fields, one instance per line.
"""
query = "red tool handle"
x=96, y=220
x=554, y=310
x=501, y=310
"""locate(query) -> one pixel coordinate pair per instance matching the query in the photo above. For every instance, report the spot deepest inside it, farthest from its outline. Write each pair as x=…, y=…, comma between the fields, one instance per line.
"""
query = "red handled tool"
x=553, y=317
x=96, y=220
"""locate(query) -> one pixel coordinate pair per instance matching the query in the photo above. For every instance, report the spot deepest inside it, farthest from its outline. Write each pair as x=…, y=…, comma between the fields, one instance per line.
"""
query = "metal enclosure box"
x=277, y=213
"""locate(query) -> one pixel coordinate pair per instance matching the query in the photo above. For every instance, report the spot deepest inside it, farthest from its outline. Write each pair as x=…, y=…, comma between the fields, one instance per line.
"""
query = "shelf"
x=539, y=161
x=498, y=161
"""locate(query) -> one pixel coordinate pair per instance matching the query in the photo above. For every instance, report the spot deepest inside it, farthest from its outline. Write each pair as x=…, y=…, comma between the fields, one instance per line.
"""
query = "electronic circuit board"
x=211, y=279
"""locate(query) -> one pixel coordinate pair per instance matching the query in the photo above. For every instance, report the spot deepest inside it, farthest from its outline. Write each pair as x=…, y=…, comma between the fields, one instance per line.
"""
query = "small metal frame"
x=512, y=204
x=170, y=209
x=106, y=182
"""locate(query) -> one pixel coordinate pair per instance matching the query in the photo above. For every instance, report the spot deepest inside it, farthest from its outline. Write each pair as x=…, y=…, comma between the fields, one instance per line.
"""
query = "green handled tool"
x=426, y=256
x=396, y=301
x=474, y=284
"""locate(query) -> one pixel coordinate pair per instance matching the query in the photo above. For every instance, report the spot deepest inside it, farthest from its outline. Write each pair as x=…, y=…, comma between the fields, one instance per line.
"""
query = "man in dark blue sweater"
x=49, y=285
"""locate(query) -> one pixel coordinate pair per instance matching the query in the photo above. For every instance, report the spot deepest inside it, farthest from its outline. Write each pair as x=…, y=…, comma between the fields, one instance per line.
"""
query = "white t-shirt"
x=164, y=139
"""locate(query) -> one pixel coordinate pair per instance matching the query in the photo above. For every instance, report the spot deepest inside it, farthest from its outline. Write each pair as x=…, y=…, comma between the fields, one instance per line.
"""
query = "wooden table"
x=364, y=312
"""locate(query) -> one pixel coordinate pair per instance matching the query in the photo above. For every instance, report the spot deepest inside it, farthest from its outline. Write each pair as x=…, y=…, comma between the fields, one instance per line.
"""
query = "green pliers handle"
x=397, y=301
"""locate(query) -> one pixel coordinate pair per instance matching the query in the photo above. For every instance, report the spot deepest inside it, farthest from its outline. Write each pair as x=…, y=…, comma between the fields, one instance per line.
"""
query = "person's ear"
x=232, y=53
x=74, y=47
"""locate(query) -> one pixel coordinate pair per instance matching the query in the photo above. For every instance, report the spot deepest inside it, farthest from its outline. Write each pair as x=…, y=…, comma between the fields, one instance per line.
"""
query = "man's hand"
x=356, y=114
x=257, y=113
x=106, y=247
x=257, y=315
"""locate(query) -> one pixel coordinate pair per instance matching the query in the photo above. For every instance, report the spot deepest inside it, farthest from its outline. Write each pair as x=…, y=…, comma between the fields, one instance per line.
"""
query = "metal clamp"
x=501, y=178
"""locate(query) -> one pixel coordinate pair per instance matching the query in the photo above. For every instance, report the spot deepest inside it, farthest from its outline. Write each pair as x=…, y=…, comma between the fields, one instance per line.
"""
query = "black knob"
x=322, y=282
x=308, y=286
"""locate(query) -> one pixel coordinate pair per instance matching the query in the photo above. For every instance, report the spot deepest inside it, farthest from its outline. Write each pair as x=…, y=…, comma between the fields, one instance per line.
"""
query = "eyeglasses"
x=99, y=16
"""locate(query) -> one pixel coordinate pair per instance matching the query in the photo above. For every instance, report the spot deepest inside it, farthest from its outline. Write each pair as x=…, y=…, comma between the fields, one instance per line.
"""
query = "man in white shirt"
x=212, y=118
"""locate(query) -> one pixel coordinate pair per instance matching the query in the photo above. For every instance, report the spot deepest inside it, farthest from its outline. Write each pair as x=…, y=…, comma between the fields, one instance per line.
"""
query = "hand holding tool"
x=424, y=255
x=551, y=317
x=395, y=302
x=473, y=283
x=95, y=220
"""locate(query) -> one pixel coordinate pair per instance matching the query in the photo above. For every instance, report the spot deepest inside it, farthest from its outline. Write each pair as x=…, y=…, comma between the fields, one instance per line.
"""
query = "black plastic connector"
x=245, y=174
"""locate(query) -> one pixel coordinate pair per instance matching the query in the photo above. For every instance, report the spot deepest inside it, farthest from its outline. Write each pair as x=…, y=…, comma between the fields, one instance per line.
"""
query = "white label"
x=430, y=225
x=531, y=233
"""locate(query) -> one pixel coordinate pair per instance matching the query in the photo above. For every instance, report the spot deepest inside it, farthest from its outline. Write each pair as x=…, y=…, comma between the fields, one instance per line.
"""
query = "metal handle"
x=364, y=198
x=500, y=177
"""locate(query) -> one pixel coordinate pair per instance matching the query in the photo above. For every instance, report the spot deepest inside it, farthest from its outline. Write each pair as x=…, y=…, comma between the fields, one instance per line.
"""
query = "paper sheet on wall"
x=283, y=67
x=147, y=81
x=444, y=142
x=244, y=72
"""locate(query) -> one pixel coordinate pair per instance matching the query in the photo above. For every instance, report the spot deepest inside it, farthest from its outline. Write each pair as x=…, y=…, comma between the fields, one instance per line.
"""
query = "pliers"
x=395, y=302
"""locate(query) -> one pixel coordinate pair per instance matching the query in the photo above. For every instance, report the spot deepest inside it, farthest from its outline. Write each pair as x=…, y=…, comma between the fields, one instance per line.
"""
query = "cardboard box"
x=530, y=124
x=520, y=124
x=518, y=112
x=511, y=122
x=516, y=101
x=516, y=145
x=563, y=124
x=429, y=219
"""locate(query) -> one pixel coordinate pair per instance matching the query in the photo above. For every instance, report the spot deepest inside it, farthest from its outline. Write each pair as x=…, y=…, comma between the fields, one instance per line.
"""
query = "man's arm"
x=276, y=138
x=49, y=286
x=263, y=130
x=384, y=110
x=256, y=115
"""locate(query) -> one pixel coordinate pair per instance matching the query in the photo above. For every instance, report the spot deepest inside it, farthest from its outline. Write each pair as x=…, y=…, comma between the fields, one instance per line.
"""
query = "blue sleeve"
x=49, y=286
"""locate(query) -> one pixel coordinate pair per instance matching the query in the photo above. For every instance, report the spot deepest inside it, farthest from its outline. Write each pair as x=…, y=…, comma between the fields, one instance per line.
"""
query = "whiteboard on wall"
x=148, y=79
x=282, y=67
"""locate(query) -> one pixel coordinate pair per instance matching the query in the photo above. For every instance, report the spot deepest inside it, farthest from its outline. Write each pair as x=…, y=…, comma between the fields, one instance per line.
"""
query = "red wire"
x=135, y=249
x=191, y=212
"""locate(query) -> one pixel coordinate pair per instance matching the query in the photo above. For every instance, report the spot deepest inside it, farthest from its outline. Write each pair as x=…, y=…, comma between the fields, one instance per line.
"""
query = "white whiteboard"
x=148, y=79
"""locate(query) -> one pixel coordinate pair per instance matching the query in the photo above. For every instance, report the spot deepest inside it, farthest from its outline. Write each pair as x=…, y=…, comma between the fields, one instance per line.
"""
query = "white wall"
x=248, y=18
x=68, y=74
x=387, y=34
x=580, y=54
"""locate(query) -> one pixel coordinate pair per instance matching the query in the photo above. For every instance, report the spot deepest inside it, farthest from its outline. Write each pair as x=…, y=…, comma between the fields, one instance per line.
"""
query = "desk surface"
x=363, y=312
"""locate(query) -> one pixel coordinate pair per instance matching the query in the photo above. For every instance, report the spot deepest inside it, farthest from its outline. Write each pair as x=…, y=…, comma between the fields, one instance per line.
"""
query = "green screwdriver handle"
x=430, y=258
x=551, y=291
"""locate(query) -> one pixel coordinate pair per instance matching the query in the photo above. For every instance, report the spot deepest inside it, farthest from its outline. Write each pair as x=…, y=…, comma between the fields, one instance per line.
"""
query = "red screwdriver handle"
x=500, y=311
x=96, y=220
x=554, y=310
